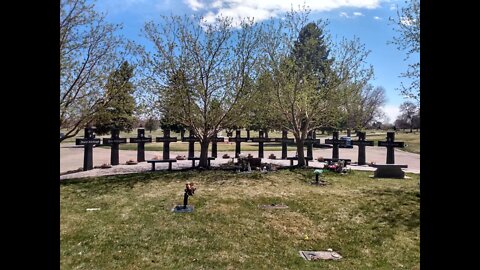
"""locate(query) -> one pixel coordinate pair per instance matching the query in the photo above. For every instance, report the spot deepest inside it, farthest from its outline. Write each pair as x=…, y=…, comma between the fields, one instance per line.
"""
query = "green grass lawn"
x=372, y=223
x=412, y=140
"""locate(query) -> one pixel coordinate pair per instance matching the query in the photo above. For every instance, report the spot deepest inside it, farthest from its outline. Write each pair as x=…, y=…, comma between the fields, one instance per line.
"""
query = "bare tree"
x=407, y=25
x=408, y=110
x=364, y=106
x=199, y=73
x=89, y=52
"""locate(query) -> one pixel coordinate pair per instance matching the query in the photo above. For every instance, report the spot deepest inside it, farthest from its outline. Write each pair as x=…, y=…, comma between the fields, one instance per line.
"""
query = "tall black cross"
x=284, y=141
x=215, y=140
x=88, y=141
x=114, y=141
x=166, y=139
x=335, y=142
x=191, y=139
x=390, y=143
x=140, y=140
x=237, y=141
x=261, y=139
x=310, y=140
x=361, y=142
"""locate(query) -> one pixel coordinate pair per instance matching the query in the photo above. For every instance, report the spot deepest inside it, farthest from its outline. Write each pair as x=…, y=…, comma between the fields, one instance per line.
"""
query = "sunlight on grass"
x=372, y=223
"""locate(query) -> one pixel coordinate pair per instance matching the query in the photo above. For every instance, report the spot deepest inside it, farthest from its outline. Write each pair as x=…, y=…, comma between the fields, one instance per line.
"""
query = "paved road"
x=71, y=157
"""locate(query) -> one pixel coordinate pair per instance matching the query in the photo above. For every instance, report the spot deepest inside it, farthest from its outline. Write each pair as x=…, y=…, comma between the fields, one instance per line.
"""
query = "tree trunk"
x=204, y=154
x=300, y=154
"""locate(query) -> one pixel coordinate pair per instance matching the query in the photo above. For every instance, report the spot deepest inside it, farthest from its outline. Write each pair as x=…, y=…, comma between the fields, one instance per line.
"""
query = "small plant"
x=156, y=158
x=180, y=157
x=225, y=156
x=320, y=159
x=272, y=156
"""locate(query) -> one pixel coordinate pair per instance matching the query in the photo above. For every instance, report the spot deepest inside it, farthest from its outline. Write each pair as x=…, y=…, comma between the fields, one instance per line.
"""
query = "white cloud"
x=377, y=18
x=357, y=14
x=393, y=6
x=264, y=9
x=392, y=112
x=194, y=4
x=344, y=14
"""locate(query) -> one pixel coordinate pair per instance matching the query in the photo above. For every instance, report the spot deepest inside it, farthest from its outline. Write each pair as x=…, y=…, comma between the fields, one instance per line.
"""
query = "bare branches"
x=89, y=51
x=407, y=25
x=216, y=60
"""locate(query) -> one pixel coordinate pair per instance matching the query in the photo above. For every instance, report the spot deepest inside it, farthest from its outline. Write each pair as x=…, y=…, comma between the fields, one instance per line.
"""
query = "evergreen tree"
x=119, y=114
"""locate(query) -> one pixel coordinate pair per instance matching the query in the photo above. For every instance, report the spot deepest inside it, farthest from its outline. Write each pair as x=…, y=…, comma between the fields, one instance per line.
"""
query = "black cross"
x=261, y=139
x=310, y=140
x=166, y=139
x=391, y=144
x=284, y=140
x=237, y=141
x=88, y=141
x=335, y=142
x=114, y=141
x=215, y=140
x=191, y=139
x=140, y=140
x=361, y=142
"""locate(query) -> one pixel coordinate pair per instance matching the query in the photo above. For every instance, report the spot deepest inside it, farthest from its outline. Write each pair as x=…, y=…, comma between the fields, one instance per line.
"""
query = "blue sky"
x=366, y=19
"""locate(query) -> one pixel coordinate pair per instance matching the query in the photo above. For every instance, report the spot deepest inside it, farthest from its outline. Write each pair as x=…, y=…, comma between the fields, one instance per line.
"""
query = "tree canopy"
x=119, y=113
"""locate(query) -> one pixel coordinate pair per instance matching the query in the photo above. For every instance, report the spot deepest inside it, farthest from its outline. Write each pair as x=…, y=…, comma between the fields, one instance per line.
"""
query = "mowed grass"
x=412, y=140
x=372, y=223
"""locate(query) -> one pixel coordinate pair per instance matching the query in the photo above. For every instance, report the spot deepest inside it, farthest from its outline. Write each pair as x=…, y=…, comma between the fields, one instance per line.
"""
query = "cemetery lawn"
x=372, y=223
x=412, y=140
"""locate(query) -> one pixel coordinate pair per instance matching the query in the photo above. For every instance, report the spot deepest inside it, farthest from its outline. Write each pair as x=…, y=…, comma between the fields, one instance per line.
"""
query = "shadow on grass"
x=392, y=207
x=186, y=174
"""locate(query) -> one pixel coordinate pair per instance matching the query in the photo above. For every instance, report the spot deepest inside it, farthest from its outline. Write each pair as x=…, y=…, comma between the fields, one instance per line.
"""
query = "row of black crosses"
x=89, y=140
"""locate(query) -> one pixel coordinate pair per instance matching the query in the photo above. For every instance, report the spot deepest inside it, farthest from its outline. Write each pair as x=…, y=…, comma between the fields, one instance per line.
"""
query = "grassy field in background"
x=412, y=140
x=372, y=223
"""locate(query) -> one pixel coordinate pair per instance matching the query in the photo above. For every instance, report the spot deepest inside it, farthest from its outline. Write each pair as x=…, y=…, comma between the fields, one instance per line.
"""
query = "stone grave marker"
x=238, y=140
x=335, y=142
x=390, y=143
x=320, y=255
x=88, y=141
x=261, y=139
x=216, y=140
x=191, y=139
x=284, y=140
x=361, y=142
x=140, y=140
x=114, y=141
x=166, y=139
